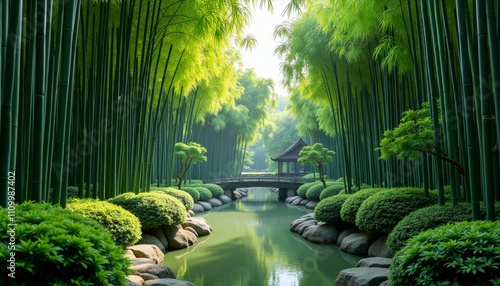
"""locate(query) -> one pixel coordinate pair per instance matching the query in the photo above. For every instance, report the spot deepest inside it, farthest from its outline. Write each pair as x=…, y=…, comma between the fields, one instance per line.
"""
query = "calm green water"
x=252, y=245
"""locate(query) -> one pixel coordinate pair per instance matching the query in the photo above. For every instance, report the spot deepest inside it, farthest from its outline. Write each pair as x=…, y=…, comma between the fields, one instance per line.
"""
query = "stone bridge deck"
x=284, y=183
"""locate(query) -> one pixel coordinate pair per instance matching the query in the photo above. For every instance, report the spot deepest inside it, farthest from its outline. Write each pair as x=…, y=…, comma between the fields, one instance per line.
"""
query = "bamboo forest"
x=137, y=148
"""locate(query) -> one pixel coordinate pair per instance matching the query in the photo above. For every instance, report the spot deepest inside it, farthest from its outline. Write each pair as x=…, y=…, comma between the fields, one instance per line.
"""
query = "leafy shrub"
x=463, y=253
x=302, y=190
x=152, y=209
x=382, y=211
x=205, y=193
x=328, y=210
x=123, y=226
x=193, y=192
x=216, y=190
x=54, y=246
x=314, y=191
x=352, y=204
x=424, y=219
x=182, y=196
x=331, y=190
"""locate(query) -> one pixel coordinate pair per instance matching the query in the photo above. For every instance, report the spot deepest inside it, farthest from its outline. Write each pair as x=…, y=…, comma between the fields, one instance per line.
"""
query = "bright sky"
x=262, y=58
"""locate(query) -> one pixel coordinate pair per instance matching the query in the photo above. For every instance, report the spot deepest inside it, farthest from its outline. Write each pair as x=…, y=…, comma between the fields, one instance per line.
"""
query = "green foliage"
x=216, y=190
x=328, y=210
x=314, y=191
x=463, y=253
x=414, y=134
x=316, y=155
x=382, y=211
x=192, y=192
x=331, y=190
x=182, y=196
x=352, y=204
x=124, y=227
x=54, y=246
x=188, y=154
x=302, y=190
x=205, y=193
x=152, y=209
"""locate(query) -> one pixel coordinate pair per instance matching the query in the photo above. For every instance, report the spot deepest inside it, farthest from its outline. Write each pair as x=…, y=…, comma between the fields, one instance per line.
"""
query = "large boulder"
x=379, y=248
x=150, y=251
x=224, y=199
x=197, y=208
x=129, y=254
x=362, y=276
x=158, y=233
x=150, y=239
x=199, y=225
x=206, y=206
x=304, y=202
x=321, y=233
x=215, y=202
x=345, y=233
x=136, y=279
x=297, y=222
x=168, y=282
x=178, y=237
x=358, y=243
x=302, y=227
x=297, y=201
x=382, y=262
x=160, y=271
x=311, y=204
x=290, y=199
x=137, y=261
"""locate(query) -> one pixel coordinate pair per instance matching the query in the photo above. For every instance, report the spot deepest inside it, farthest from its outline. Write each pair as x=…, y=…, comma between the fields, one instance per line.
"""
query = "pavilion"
x=288, y=166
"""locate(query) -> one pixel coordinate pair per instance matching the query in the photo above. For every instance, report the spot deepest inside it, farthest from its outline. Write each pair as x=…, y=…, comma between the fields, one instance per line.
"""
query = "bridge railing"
x=260, y=178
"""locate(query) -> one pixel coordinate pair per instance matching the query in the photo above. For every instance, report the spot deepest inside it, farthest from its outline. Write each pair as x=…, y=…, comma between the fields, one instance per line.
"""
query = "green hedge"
x=328, y=210
x=192, y=192
x=463, y=253
x=182, y=196
x=314, y=191
x=152, y=209
x=216, y=190
x=382, y=211
x=331, y=190
x=424, y=219
x=205, y=193
x=54, y=246
x=124, y=227
x=352, y=204
x=302, y=190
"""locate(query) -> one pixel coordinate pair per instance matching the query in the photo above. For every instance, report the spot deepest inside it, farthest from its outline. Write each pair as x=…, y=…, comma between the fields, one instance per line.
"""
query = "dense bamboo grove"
x=361, y=64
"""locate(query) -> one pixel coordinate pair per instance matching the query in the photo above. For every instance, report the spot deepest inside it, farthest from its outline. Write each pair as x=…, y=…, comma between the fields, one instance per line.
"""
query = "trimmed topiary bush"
x=331, y=190
x=314, y=191
x=182, y=196
x=205, y=193
x=424, y=219
x=302, y=190
x=382, y=211
x=152, y=209
x=216, y=190
x=352, y=204
x=123, y=226
x=193, y=192
x=54, y=246
x=463, y=253
x=328, y=210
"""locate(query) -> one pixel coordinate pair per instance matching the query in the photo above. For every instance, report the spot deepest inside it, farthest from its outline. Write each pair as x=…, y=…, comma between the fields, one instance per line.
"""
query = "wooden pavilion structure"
x=288, y=166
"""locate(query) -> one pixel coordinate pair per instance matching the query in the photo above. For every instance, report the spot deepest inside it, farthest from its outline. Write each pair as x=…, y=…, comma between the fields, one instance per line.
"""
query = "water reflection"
x=252, y=245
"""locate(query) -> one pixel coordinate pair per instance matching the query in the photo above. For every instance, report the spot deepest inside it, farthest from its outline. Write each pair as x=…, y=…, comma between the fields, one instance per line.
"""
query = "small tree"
x=318, y=156
x=188, y=154
x=413, y=135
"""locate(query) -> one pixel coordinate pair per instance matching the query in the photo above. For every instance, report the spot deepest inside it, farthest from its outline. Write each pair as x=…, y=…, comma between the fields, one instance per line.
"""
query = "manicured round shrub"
x=205, y=193
x=123, y=226
x=463, y=253
x=193, y=192
x=352, y=204
x=382, y=211
x=302, y=190
x=216, y=190
x=328, y=210
x=54, y=246
x=331, y=190
x=314, y=191
x=152, y=209
x=182, y=196
x=424, y=219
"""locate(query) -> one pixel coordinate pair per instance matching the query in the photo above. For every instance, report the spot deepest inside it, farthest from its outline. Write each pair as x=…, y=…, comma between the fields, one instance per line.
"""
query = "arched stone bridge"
x=284, y=184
